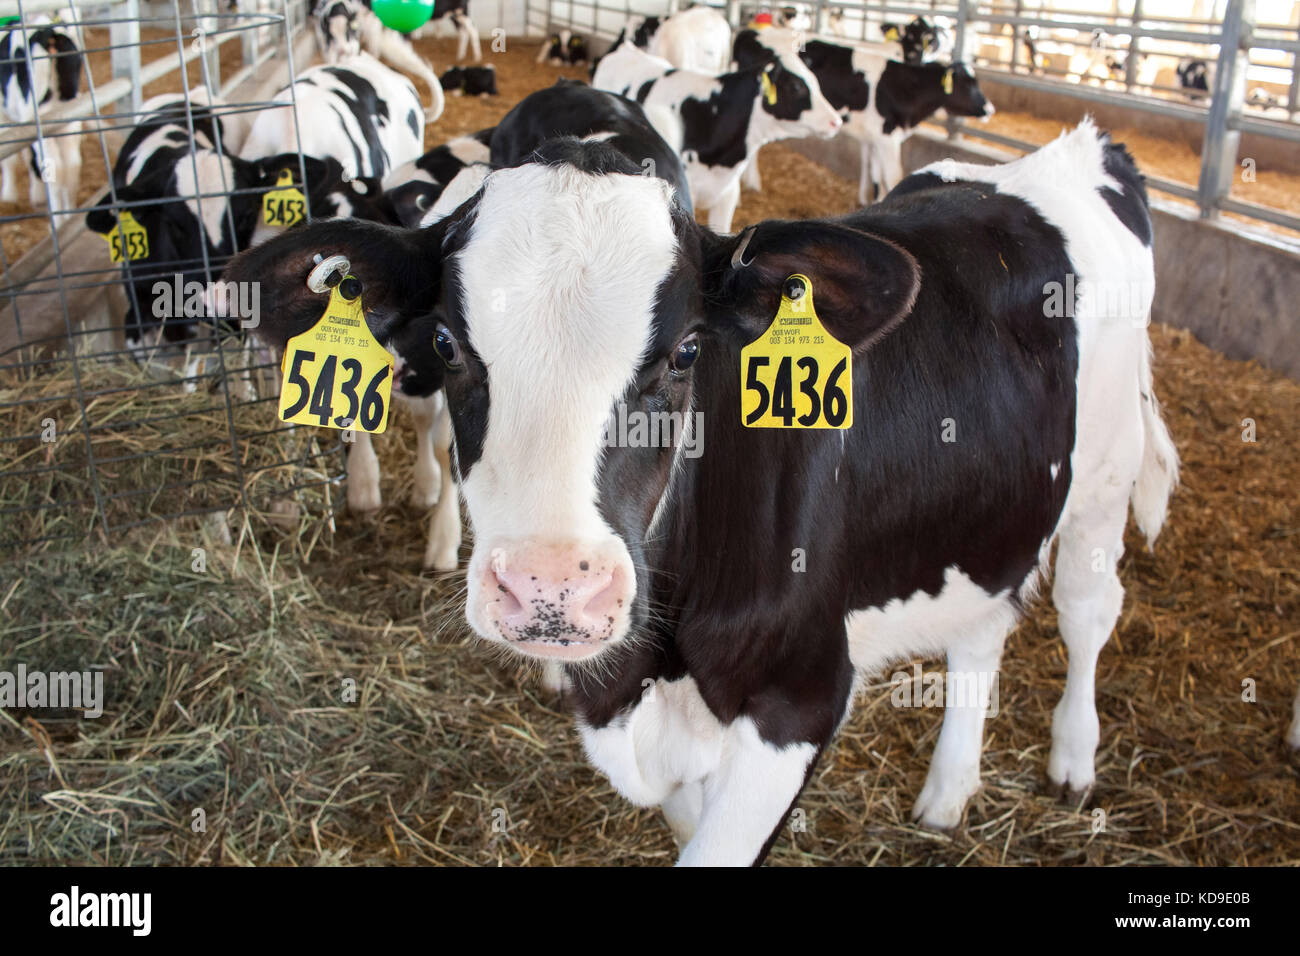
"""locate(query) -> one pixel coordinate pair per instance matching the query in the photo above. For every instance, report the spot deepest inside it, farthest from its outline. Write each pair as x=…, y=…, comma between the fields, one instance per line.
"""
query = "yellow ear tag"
x=128, y=239
x=336, y=374
x=947, y=82
x=796, y=374
x=891, y=33
x=284, y=205
x=769, y=89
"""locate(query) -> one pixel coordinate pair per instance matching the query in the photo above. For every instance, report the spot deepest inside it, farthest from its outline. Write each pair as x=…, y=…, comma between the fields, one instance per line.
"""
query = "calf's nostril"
x=508, y=601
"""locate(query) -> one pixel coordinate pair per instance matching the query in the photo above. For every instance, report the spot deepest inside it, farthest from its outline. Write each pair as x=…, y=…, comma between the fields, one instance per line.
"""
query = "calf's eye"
x=445, y=344
x=687, y=351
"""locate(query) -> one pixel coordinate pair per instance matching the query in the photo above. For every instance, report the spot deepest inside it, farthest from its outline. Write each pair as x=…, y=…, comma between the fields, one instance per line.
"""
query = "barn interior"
x=289, y=667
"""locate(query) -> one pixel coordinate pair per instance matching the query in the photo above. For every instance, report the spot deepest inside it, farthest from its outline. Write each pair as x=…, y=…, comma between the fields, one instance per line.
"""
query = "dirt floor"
x=319, y=699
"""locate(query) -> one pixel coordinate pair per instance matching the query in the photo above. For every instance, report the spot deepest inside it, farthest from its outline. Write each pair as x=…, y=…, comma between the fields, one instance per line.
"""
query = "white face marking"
x=559, y=306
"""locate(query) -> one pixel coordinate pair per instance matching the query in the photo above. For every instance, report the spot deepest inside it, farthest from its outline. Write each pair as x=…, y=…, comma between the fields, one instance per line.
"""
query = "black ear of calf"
x=863, y=285
x=103, y=217
x=399, y=270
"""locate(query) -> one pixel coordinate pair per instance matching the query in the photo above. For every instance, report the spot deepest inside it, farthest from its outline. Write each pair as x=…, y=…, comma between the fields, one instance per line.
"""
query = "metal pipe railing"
x=1222, y=114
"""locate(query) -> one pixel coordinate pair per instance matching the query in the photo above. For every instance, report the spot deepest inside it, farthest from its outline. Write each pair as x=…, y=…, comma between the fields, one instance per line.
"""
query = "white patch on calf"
x=559, y=307
x=216, y=178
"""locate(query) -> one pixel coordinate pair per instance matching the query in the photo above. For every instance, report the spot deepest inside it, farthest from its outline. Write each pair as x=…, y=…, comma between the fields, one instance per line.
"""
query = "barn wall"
x=1235, y=291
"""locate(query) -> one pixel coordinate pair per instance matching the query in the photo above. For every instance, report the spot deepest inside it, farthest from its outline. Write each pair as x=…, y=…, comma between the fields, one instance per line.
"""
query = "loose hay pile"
x=321, y=702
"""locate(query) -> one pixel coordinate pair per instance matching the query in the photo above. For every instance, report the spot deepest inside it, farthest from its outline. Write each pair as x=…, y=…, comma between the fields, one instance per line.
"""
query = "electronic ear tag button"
x=336, y=374
x=796, y=374
x=284, y=205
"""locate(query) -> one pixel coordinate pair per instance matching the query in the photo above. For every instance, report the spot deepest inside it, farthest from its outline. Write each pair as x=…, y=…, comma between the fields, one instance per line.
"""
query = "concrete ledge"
x=1235, y=288
x=1268, y=153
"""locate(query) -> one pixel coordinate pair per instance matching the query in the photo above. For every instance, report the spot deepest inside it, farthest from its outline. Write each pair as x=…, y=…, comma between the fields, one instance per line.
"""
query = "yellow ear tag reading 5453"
x=128, y=239
x=284, y=205
x=336, y=374
x=796, y=374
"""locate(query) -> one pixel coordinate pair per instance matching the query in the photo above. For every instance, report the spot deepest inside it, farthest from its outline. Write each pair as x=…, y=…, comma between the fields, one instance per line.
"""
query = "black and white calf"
x=413, y=188
x=697, y=39
x=718, y=123
x=883, y=100
x=714, y=612
x=39, y=67
x=563, y=49
x=455, y=13
x=919, y=39
x=199, y=205
x=344, y=28
x=470, y=80
x=444, y=177
x=1194, y=77
x=363, y=114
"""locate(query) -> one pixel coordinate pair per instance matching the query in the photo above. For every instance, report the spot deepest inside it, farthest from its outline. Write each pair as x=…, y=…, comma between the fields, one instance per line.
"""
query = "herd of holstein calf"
x=885, y=419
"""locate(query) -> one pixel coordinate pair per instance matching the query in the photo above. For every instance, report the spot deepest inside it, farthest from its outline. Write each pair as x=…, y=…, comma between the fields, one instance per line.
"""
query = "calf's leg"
x=9, y=177
x=682, y=809
x=363, y=475
x=724, y=207
x=1293, y=737
x=745, y=801
x=954, y=774
x=442, y=551
x=1088, y=598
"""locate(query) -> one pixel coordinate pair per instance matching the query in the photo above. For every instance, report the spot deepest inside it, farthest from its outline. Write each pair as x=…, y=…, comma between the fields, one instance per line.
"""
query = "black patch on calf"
x=907, y=94
x=844, y=87
x=975, y=346
x=570, y=108
x=715, y=129
x=1130, y=207
x=369, y=112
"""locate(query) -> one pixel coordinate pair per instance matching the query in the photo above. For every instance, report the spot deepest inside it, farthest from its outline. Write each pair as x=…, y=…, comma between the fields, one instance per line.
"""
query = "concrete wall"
x=1274, y=154
x=1234, y=288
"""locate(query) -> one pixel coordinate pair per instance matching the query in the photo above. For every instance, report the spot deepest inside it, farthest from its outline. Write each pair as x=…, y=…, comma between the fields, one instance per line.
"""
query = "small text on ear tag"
x=336, y=374
x=796, y=374
x=284, y=205
x=128, y=239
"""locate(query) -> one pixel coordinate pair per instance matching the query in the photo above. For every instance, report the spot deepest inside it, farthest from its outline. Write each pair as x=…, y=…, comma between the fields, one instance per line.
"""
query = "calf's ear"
x=863, y=285
x=400, y=272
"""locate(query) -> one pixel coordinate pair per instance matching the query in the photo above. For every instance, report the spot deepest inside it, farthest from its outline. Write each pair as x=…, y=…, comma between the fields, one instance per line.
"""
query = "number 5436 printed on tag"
x=796, y=374
x=327, y=385
x=336, y=374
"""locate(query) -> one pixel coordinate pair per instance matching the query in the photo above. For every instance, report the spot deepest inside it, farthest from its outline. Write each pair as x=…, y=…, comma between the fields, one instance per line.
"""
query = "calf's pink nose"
x=555, y=595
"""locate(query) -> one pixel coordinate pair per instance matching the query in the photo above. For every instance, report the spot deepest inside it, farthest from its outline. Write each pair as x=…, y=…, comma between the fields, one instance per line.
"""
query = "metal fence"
x=1230, y=47
x=96, y=439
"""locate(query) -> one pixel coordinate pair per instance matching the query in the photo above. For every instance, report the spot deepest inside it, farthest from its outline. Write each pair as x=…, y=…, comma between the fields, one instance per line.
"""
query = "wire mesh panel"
x=130, y=390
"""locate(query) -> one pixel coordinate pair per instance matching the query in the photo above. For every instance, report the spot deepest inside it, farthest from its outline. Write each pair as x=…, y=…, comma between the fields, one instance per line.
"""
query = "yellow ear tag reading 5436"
x=796, y=374
x=284, y=205
x=128, y=239
x=336, y=374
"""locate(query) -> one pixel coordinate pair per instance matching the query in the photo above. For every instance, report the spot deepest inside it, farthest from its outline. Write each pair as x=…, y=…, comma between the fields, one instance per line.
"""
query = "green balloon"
x=403, y=15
